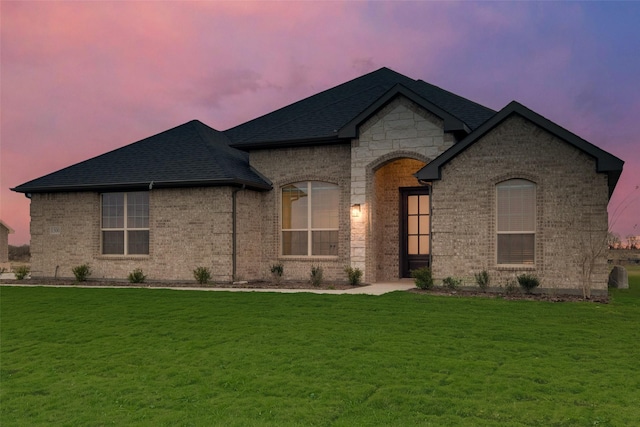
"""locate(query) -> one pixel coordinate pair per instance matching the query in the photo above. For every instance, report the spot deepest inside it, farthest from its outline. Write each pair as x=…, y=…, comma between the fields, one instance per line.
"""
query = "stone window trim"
x=125, y=227
x=534, y=231
x=307, y=179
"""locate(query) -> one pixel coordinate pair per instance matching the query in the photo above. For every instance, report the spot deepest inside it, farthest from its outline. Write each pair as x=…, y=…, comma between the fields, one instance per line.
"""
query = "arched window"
x=516, y=222
x=310, y=219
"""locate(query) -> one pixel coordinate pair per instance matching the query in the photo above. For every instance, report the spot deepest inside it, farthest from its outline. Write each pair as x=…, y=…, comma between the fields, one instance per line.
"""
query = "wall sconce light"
x=355, y=210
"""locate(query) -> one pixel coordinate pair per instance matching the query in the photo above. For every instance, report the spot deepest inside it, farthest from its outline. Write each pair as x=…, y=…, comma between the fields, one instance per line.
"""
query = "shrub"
x=277, y=270
x=202, y=275
x=137, y=276
x=451, y=282
x=511, y=287
x=482, y=280
x=528, y=282
x=21, y=272
x=81, y=272
x=422, y=278
x=354, y=275
x=316, y=275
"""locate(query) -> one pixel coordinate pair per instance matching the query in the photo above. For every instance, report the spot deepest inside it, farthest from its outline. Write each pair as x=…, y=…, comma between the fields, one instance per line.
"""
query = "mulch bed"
x=155, y=284
x=516, y=295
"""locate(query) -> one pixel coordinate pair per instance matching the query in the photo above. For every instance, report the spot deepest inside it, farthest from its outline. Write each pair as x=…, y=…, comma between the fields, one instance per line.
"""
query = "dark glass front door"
x=415, y=220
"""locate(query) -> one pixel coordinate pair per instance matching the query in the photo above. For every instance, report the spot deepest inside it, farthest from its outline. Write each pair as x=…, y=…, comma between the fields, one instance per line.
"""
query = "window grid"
x=310, y=228
x=125, y=223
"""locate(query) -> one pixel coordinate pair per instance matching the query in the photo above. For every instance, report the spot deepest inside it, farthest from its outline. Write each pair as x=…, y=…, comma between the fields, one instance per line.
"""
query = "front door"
x=415, y=221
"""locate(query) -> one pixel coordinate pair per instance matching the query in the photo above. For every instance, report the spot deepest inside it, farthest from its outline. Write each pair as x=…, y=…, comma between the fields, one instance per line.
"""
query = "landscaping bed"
x=192, y=284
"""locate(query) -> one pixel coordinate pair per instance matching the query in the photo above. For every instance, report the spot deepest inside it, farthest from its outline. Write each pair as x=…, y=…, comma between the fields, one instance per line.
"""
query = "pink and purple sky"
x=82, y=78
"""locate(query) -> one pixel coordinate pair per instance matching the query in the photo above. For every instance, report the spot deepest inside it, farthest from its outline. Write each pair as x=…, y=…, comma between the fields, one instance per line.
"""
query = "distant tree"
x=19, y=253
x=633, y=242
x=613, y=240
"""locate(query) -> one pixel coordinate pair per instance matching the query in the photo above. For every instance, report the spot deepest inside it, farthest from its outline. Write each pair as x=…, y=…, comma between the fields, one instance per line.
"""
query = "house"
x=5, y=230
x=384, y=173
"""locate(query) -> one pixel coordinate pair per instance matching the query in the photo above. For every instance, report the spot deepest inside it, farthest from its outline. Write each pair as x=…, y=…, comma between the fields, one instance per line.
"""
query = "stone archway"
x=386, y=177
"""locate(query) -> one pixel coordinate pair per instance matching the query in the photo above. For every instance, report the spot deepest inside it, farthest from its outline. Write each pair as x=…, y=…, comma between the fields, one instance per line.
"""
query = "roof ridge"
x=456, y=95
x=333, y=88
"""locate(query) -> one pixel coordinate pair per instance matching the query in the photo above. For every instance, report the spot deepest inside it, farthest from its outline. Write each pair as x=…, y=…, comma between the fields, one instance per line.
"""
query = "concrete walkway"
x=374, y=289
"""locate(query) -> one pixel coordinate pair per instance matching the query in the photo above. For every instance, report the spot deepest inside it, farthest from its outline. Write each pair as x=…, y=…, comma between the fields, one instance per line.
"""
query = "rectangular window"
x=125, y=223
x=310, y=219
x=516, y=222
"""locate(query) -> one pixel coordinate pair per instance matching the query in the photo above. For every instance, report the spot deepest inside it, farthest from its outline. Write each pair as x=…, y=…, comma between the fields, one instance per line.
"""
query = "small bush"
x=81, y=272
x=510, y=287
x=202, y=275
x=277, y=270
x=528, y=282
x=137, y=276
x=451, y=282
x=482, y=280
x=316, y=275
x=354, y=275
x=422, y=278
x=21, y=272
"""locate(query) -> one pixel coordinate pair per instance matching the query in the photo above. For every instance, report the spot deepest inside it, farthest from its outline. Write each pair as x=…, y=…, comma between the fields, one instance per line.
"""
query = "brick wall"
x=571, y=207
x=189, y=227
x=289, y=165
x=4, y=244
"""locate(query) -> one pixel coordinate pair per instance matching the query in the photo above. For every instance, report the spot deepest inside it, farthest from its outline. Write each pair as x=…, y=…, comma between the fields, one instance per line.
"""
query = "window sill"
x=308, y=258
x=514, y=267
x=122, y=257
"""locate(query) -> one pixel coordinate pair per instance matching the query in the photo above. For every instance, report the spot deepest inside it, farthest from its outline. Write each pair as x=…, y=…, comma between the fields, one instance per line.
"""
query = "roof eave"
x=605, y=162
x=147, y=185
x=325, y=140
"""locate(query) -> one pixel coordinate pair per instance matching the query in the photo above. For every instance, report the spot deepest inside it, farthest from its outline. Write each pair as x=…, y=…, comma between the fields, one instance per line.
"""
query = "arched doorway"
x=390, y=239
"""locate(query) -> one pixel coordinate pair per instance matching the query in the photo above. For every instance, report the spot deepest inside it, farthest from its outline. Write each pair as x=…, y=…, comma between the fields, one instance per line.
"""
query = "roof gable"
x=192, y=154
x=451, y=123
x=605, y=162
x=329, y=116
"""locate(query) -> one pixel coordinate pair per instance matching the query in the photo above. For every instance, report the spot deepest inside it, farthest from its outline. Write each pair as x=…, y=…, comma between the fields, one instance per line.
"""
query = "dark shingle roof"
x=605, y=162
x=192, y=154
x=321, y=116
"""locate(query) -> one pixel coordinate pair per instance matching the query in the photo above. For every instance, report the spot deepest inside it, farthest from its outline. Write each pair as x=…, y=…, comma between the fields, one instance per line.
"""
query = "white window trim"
x=124, y=229
x=310, y=229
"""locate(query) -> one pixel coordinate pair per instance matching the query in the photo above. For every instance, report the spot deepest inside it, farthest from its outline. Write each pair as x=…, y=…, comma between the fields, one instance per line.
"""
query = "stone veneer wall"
x=329, y=163
x=399, y=130
x=189, y=227
x=571, y=207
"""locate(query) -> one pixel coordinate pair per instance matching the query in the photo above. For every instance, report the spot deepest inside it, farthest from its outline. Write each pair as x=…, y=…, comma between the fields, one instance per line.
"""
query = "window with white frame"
x=125, y=223
x=310, y=219
x=516, y=221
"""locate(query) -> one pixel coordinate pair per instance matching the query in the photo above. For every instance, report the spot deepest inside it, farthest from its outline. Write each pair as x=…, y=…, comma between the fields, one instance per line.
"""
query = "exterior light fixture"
x=355, y=210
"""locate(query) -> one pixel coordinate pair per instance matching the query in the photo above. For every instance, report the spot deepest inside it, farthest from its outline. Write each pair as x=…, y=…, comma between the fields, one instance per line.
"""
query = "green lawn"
x=161, y=357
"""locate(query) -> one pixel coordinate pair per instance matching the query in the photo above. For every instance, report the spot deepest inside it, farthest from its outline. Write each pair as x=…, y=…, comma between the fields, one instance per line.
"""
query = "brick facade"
x=192, y=227
x=571, y=211
x=189, y=228
x=4, y=244
x=289, y=165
